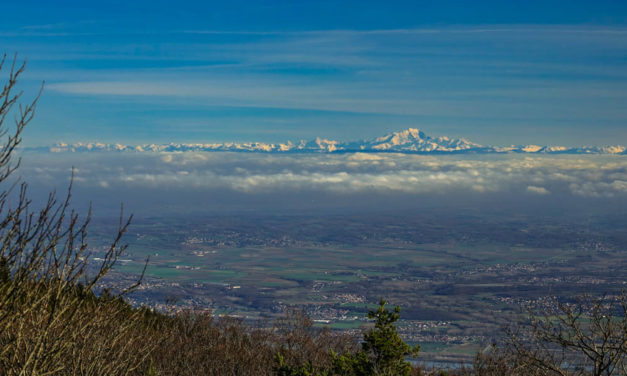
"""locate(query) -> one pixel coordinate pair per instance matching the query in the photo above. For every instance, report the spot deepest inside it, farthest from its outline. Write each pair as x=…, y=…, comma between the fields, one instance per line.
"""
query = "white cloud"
x=538, y=190
x=590, y=176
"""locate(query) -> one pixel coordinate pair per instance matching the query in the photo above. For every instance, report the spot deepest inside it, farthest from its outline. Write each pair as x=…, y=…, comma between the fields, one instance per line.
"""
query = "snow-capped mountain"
x=408, y=141
x=412, y=140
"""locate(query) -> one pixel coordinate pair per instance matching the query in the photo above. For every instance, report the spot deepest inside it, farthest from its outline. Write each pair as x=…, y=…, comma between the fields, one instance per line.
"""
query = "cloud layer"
x=346, y=174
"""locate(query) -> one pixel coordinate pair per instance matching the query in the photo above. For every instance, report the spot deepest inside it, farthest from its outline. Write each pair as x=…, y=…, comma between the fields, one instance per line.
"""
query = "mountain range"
x=410, y=141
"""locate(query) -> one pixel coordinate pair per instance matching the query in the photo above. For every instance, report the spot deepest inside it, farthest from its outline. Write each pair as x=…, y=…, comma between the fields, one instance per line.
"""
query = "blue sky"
x=153, y=71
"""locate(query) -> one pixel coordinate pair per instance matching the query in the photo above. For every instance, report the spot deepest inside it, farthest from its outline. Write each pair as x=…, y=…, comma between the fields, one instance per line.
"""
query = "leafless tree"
x=587, y=336
x=53, y=321
x=47, y=302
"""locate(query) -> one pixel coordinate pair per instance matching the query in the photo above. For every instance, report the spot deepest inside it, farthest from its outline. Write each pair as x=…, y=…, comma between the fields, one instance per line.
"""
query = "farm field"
x=457, y=280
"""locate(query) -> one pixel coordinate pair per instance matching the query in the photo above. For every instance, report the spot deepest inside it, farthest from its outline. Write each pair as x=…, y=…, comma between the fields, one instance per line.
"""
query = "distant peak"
x=410, y=140
x=411, y=132
x=415, y=132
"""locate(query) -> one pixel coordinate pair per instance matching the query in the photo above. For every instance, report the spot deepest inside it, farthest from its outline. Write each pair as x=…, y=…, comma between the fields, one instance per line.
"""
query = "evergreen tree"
x=383, y=352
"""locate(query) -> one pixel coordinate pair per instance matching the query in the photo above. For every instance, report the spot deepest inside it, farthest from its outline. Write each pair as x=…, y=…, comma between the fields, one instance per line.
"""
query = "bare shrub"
x=50, y=320
x=196, y=343
x=54, y=321
x=584, y=337
x=300, y=342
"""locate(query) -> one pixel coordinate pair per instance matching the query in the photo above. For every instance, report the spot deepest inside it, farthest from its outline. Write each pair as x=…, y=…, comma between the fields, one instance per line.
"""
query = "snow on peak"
x=413, y=140
x=319, y=144
x=405, y=137
x=410, y=140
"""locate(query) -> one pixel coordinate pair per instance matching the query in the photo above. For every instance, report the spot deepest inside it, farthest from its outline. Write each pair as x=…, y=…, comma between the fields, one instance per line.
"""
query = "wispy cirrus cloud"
x=558, y=81
x=250, y=92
